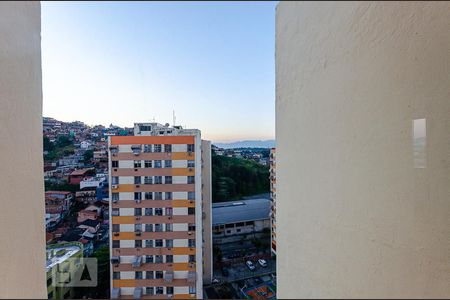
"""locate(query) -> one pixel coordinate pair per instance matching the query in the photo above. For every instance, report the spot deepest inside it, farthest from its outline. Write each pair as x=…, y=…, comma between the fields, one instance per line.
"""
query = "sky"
x=213, y=63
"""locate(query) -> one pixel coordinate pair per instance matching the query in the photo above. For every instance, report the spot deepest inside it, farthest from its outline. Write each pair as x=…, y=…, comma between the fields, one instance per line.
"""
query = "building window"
x=115, y=163
x=191, y=227
x=158, y=164
x=158, y=195
x=191, y=258
x=149, y=290
x=116, y=228
x=148, y=195
x=168, y=196
x=191, y=210
x=137, y=227
x=238, y=230
x=158, y=259
x=158, y=227
x=169, y=227
x=148, y=180
x=169, y=290
x=148, y=163
x=169, y=243
x=167, y=148
x=190, y=179
x=149, y=274
x=137, y=196
x=157, y=148
x=149, y=258
x=190, y=148
x=138, y=244
x=116, y=244
x=116, y=275
x=159, y=289
x=115, y=196
x=158, y=243
x=149, y=243
x=158, y=179
x=148, y=227
x=115, y=212
x=191, y=195
x=158, y=211
x=50, y=295
x=137, y=163
x=138, y=275
x=49, y=281
x=168, y=180
x=240, y=224
x=169, y=211
x=190, y=164
x=192, y=290
x=147, y=148
x=231, y=225
x=115, y=180
x=148, y=211
x=169, y=258
x=137, y=179
x=191, y=243
x=138, y=211
x=167, y=164
x=159, y=274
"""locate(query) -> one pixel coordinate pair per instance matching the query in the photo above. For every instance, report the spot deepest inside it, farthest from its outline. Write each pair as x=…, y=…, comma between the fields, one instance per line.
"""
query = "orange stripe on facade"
x=130, y=140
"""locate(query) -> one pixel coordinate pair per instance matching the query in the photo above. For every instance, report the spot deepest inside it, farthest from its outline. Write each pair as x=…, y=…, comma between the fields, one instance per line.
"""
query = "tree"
x=88, y=155
x=48, y=146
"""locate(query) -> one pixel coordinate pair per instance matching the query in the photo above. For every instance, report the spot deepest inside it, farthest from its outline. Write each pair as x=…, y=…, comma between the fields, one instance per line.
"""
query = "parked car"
x=250, y=265
x=262, y=262
x=225, y=272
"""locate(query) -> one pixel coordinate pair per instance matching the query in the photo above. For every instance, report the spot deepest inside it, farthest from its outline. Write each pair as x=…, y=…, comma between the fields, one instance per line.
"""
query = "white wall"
x=22, y=229
x=354, y=217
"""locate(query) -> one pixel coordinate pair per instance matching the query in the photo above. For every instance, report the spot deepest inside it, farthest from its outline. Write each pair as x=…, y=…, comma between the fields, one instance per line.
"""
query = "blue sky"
x=116, y=62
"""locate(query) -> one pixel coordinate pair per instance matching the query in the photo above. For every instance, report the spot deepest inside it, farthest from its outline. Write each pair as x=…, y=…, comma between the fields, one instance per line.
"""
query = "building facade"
x=363, y=135
x=156, y=212
x=61, y=257
x=273, y=197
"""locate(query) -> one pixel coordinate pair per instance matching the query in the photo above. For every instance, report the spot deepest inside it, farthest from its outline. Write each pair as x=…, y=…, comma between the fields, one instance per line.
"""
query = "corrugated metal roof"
x=240, y=211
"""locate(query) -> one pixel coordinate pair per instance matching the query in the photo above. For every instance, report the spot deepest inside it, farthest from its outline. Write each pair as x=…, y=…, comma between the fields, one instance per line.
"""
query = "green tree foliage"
x=88, y=155
x=62, y=146
x=233, y=178
x=48, y=146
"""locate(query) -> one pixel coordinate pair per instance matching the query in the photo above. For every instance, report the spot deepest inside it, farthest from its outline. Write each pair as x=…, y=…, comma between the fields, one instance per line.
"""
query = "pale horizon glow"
x=121, y=63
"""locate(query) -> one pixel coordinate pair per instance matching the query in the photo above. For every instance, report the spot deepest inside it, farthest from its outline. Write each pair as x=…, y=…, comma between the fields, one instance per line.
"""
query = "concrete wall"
x=22, y=234
x=355, y=217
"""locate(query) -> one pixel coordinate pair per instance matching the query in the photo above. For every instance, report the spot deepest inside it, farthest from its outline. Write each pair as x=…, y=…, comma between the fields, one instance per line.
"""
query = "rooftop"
x=60, y=253
x=240, y=211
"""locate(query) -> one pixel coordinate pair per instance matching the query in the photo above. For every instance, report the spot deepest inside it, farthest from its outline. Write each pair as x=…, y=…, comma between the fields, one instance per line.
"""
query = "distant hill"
x=247, y=144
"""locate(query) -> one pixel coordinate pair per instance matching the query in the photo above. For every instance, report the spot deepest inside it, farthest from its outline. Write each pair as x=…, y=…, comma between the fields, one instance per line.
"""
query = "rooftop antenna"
x=174, y=118
x=153, y=118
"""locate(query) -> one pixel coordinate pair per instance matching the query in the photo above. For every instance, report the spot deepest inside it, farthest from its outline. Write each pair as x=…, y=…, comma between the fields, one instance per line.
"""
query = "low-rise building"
x=78, y=175
x=57, y=205
x=233, y=219
x=60, y=257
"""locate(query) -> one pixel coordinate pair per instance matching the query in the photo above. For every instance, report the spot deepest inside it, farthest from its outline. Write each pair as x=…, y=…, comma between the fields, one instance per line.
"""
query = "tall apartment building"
x=160, y=198
x=273, y=197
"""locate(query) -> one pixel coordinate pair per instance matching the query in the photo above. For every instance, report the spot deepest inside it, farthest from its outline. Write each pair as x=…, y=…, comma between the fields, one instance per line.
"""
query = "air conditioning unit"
x=138, y=218
x=116, y=234
x=114, y=186
x=114, y=154
x=189, y=153
x=138, y=200
x=191, y=169
x=115, y=201
x=189, y=232
x=137, y=185
x=138, y=233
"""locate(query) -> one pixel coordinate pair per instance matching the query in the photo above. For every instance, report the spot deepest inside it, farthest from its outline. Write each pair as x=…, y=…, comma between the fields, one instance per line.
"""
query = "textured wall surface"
x=355, y=218
x=22, y=234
